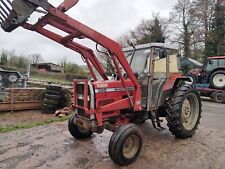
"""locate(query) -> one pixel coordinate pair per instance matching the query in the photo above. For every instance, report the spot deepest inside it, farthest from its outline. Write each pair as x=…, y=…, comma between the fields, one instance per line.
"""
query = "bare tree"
x=106, y=60
x=204, y=14
x=183, y=18
x=36, y=58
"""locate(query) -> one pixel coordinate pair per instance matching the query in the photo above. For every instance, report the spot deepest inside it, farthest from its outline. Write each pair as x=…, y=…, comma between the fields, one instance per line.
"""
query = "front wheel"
x=126, y=144
x=76, y=131
x=184, y=111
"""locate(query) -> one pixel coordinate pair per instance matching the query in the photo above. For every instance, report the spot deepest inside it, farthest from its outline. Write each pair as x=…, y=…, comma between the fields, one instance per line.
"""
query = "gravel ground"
x=52, y=146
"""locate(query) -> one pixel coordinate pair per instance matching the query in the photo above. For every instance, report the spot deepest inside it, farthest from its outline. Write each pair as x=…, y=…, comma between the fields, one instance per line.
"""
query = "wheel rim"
x=190, y=111
x=12, y=78
x=219, y=80
x=82, y=129
x=219, y=98
x=131, y=146
x=191, y=78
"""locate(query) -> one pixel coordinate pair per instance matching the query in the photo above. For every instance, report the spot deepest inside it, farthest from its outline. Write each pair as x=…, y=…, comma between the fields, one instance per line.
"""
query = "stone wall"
x=43, y=83
x=22, y=94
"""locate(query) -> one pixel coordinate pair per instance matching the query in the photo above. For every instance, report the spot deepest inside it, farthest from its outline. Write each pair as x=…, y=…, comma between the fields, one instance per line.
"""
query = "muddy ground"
x=22, y=117
x=51, y=146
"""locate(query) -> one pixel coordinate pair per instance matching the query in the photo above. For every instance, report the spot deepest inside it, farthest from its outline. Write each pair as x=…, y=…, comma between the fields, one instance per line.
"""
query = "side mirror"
x=210, y=62
x=162, y=53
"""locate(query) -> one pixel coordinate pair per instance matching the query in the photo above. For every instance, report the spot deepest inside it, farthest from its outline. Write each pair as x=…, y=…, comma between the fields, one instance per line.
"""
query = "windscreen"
x=138, y=61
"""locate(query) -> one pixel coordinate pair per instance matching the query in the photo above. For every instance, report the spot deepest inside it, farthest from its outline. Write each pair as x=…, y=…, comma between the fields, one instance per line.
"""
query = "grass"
x=30, y=125
x=58, y=77
x=51, y=78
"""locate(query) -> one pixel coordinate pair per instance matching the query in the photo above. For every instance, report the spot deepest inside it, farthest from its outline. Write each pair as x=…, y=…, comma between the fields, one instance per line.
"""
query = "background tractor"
x=147, y=84
x=212, y=72
x=8, y=78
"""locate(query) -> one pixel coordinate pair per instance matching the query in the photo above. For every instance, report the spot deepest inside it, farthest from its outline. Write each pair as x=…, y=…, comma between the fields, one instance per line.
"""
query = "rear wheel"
x=184, y=111
x=219, y=97
x=77, y=131
x=217, y=79
x=125, y=144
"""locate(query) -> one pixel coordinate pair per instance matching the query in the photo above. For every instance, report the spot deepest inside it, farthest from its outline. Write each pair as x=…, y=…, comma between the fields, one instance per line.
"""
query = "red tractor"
x=147, y=84
x=213, y=73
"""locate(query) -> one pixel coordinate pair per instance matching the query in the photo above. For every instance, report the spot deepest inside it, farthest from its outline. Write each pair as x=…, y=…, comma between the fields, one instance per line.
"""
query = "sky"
x=113, y=18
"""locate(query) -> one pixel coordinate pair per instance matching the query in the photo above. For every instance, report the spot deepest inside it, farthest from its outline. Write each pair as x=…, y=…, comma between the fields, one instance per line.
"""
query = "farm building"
x=49, y=67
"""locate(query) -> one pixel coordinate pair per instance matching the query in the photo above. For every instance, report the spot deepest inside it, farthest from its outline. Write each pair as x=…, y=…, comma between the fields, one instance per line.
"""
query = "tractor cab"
x=153, y=62
x=9, y=78
x=213, y=73
x=213, y=63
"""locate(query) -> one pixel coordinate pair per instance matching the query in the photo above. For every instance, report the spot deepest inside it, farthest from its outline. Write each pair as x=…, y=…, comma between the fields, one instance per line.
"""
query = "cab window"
x=221, y=62
x=212, y=64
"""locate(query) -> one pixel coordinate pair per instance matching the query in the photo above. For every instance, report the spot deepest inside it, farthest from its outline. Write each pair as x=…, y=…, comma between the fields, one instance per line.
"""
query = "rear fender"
x=173, y=80
x=169, y=87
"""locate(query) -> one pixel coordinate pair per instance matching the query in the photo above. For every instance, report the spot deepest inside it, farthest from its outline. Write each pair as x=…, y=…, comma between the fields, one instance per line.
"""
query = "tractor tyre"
x=13, y=78
x=217, y=79
x=54, y=87
x=76, y=131
x=50, y=102
x=219, y=97
x=64, y=100
x=52, y=97
x=125, y=144
x=48, y=109
x=184, y=111
x=53, y=92
x=193, y=78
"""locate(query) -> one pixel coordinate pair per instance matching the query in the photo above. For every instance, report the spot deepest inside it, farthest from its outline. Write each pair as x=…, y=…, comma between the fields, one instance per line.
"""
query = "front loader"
x=146, y=85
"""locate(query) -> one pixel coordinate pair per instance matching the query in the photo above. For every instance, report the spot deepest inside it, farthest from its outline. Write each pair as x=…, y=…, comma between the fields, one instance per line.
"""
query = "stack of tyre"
x=55, y=98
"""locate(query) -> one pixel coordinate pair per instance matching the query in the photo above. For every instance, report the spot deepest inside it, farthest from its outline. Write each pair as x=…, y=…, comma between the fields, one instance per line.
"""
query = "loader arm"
x=16, y=13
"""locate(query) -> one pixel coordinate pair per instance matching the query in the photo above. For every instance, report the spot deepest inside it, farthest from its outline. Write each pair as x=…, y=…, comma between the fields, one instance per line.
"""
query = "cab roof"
x=148, y=45
x=216, y=57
